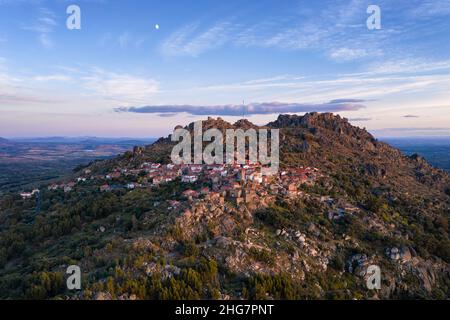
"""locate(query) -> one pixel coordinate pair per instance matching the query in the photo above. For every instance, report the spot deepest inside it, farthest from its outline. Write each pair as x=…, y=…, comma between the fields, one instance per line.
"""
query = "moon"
x=157, y=26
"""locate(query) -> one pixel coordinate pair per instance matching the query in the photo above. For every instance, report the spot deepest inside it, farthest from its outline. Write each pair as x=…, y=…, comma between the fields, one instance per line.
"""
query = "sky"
x=139, y=68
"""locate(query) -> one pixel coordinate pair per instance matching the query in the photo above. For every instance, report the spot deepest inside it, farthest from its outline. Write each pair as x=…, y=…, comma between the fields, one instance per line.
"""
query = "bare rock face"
x=405, y=254
x=137, y=151
x=245, y=124
x=427, y=275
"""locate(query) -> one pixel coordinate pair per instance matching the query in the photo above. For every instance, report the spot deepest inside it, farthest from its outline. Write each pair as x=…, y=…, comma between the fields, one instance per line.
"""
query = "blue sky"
x=121, y=76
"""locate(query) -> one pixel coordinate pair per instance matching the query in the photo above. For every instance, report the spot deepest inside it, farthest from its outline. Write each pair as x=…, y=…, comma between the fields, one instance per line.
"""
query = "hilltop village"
x=242, y=184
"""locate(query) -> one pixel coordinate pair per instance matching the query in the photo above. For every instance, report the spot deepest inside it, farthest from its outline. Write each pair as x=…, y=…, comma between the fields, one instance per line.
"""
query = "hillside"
x=344, y=202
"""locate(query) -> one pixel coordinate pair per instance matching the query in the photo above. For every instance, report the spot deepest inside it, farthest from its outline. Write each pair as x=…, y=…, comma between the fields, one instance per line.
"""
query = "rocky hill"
x=344, y=202
x=331, y=141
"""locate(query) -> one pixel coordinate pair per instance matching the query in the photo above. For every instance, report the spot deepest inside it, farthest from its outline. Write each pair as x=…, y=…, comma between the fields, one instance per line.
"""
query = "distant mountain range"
x=87, y=139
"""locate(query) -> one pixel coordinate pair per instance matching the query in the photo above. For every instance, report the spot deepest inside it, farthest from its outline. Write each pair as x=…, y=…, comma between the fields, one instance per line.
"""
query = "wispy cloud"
x=52, y=77
x=45, y=40
x=409, y=65
x=123, y=88
x=359, y=119
x=190, y=41
x=368, y=86
x=411, y=132
x=338, y=29
x=337, y=101
x=44, y=24
x=249, y=109
x=193, y=40
x=91, y=83
x=326, y=30
x=269, y=34
x=16, y=90
x=410, y=116
x=8, y=99
x=348, y=54
x=430, y=8
x=124, y=40
x=417, y=129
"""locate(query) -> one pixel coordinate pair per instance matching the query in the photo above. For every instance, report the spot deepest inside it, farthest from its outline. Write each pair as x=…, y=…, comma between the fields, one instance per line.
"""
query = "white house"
x=189, y=179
